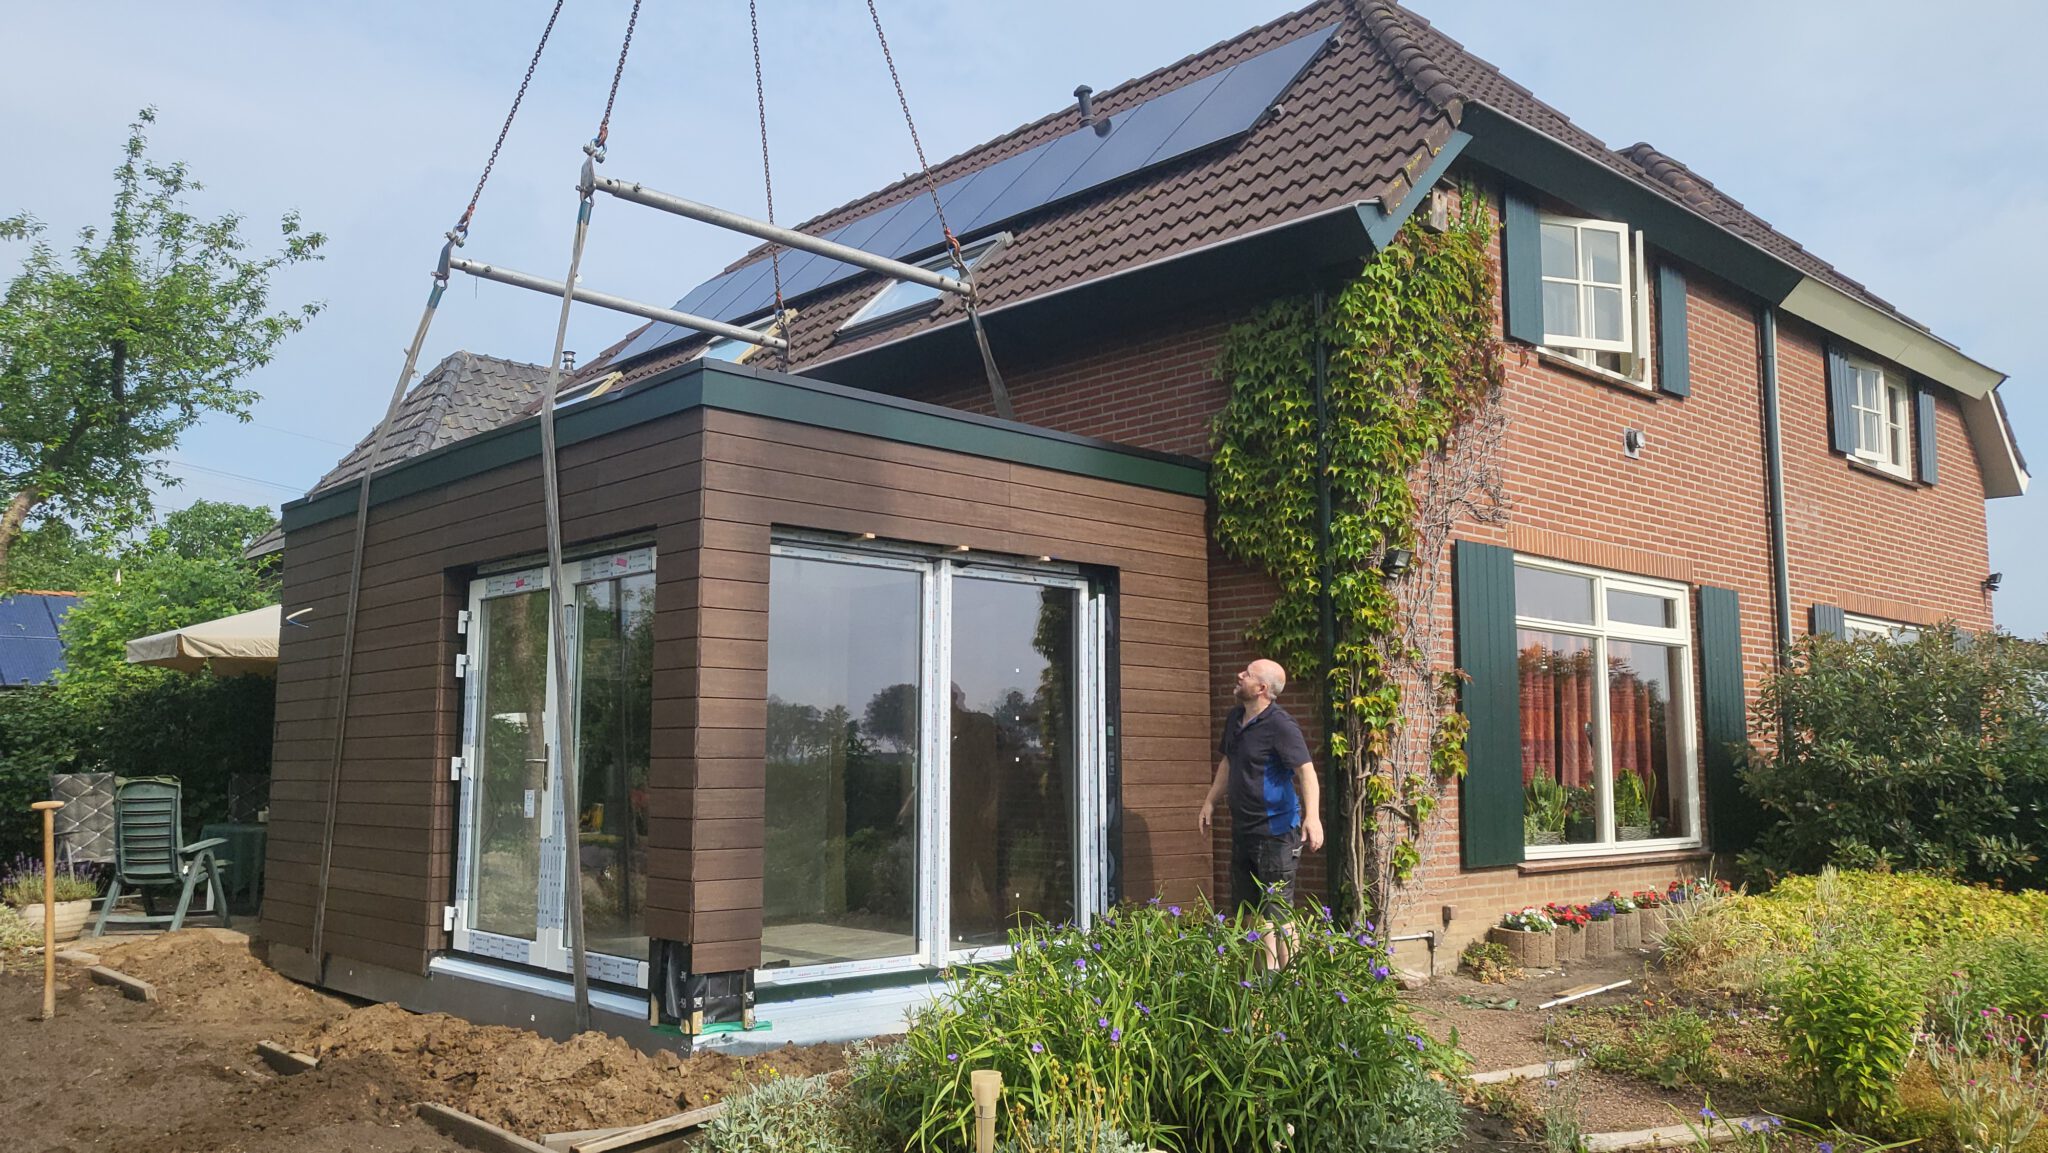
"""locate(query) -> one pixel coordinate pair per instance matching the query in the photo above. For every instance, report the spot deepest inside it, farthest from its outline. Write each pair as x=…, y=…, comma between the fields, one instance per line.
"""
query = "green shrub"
x=15, y=933
x=792, y=1115
x=2008, y=972
x=1171, y=1027
x=1929, y=756
x=1850, y=1007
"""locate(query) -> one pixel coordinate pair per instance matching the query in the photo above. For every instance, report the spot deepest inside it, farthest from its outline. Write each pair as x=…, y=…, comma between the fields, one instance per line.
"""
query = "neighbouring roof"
x=30, y=651
x=467, y=393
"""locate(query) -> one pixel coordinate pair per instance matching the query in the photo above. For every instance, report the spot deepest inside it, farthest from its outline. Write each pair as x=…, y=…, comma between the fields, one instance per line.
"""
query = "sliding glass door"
x=933, y=770
x=517, y=855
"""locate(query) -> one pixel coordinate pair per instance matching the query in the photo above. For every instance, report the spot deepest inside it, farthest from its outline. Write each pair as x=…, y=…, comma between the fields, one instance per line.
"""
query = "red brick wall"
x=1692, y=507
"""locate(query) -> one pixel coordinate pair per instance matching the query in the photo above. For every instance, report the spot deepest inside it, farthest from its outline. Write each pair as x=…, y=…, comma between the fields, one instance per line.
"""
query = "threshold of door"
x=527, y=981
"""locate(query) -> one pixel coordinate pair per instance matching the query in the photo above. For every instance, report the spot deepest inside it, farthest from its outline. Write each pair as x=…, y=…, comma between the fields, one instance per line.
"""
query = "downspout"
x=1337, y=801
x=1774, y=475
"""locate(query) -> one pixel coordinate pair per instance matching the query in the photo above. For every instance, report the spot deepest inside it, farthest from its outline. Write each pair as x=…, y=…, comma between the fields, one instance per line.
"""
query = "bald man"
x=1275, y=800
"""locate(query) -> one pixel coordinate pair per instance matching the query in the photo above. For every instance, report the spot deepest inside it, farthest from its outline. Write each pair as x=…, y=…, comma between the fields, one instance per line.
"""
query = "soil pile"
x=386, y=1057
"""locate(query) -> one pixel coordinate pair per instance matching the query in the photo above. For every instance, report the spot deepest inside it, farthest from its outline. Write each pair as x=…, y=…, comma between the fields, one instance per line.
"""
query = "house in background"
x=31, y=651
x=862, y=673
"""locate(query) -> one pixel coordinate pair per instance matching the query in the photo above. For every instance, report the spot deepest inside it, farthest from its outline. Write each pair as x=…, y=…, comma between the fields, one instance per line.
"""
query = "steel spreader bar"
x=541, y=284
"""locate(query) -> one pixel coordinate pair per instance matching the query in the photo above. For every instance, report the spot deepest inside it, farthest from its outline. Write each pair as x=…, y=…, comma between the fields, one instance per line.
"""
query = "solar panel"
x=1166, y=127
x=29, y=649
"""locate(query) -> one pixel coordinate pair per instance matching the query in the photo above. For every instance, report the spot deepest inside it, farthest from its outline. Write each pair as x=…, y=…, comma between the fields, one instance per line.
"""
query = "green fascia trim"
x=1381, y=225
x=732, y=388
x=1554, y=167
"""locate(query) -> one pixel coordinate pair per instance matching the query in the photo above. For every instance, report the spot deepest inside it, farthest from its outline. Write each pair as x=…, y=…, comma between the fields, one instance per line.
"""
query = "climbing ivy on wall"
x=1404, y=438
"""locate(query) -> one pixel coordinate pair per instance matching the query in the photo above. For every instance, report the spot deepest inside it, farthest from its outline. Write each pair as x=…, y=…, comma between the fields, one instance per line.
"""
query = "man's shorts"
x=1259, y=863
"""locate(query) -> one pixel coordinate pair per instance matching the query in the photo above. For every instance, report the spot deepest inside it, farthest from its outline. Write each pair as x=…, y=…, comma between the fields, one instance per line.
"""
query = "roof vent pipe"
x=1085, y=96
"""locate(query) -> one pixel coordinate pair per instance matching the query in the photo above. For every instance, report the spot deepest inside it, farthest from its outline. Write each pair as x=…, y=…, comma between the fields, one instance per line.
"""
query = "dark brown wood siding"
x=394, y=831
x=761, y=475
x=709, y=489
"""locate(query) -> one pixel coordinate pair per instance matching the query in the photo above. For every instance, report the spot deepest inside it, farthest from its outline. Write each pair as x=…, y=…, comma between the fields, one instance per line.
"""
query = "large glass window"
x=932, y=775
x=845, y=645
x=614, y=691
x=1607, y=750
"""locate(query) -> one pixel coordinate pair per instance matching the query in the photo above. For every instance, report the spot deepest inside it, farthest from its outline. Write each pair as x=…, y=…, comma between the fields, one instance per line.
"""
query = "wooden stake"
x=49, y=811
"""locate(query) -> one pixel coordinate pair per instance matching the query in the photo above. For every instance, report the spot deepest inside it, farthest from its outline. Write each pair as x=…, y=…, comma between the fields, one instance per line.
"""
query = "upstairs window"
x=1880, y=406
x=901, y=295
x=1857, y=628
x=1589, y=285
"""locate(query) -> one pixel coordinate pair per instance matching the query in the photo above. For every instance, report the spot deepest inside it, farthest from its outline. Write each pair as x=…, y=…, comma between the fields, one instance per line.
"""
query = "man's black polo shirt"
x=1263, y=755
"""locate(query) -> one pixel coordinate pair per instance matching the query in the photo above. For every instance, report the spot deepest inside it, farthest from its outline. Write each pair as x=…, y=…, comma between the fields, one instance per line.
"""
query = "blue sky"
x=1900, y=141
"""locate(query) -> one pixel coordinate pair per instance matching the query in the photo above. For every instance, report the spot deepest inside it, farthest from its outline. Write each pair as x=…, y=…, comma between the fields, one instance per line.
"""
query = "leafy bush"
x=2008, y=973
x=1931, y=755
x=15, y=933
x=1851, y=1006
x=1172, y=1027
x=1985, y=1064
x=792, y=1115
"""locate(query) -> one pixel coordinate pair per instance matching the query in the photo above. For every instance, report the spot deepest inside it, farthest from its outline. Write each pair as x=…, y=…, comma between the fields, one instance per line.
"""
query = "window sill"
x=1597, y=375
x=1547, y=865
x=1880, y=471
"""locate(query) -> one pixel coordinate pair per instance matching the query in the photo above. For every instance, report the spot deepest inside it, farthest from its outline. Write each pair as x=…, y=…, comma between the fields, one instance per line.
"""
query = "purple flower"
x=1081, y=963
x=1827, y=1147
x=1708, y=1113
x=1219, y=950
x=1154, y=902
x=1173, y=910
x=952, y=1056
x=1244, y=984
x=1143, y=1011
x=1115, y=1035
x=1095, y=945
x=1380, y=972
x=1279, y=1036
x=1226, y=1028
x=1252, y=936
x=1037, y=1048
x=1102, y=1022
x=1419, y=1046
x=1343, y=998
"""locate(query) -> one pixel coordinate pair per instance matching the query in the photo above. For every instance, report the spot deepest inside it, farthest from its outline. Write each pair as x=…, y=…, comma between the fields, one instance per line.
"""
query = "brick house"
x=804, y=767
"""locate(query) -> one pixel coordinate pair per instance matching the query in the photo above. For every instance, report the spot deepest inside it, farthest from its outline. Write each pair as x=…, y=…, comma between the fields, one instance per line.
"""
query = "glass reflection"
x=615, y=689
x=1560, y=765
x=513, y=768
x=1644, y=729
x=1553, y=596
x=841, y=791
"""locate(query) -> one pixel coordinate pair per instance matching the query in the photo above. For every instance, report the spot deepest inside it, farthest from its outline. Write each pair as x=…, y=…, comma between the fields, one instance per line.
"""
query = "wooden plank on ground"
x=133, y=988
x=638, y=1134
x=475, y=1132
x=284, y=1060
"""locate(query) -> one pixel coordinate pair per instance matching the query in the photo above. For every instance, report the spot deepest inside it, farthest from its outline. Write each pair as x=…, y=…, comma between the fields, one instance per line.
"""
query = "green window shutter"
x=1828, y=622
x=1732, y=817
x=1841, y=401
x=1491, y=810
x=1674, y=361
x=1522, y=266
x=1923, y=430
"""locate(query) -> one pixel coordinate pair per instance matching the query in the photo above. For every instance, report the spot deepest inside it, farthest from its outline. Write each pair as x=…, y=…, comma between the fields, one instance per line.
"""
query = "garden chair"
x=150, y=852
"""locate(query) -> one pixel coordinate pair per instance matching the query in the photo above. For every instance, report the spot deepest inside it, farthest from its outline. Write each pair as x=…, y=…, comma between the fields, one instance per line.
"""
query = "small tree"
x=107, y=359
x=1929, y=755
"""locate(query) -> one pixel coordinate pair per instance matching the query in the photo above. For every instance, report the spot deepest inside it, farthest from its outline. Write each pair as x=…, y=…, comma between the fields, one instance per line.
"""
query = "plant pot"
x=1653, y=924
x=1530, y=950
x=1628, y=931
x=1547, y=837
x=71, y=918
x=1632, y=832
x=1571, y=943
x=1599, y=939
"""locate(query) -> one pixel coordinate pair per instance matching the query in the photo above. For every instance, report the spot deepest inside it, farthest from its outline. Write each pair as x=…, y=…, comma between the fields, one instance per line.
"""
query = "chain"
x=604, y=126
x=463, y=224
x=767, y=174
x=952, y=242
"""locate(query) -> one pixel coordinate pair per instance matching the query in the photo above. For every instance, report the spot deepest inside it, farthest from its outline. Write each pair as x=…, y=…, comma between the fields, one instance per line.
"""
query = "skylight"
x=901, y=295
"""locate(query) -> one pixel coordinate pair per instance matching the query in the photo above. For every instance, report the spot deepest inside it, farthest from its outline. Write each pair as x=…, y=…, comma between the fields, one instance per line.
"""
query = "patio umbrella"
x=243, y=643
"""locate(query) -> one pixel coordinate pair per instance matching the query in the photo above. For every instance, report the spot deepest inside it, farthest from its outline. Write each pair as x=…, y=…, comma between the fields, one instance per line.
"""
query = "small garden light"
x=1395, y=561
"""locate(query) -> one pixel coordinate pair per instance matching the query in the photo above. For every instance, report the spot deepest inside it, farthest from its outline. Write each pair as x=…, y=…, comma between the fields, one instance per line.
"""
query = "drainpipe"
x=1774, y=474
x=1337, y=787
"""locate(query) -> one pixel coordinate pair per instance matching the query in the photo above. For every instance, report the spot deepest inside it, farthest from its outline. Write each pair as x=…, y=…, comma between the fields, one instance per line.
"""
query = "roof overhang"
x=735, y=388
x=1319, y=250
x=1550, y=165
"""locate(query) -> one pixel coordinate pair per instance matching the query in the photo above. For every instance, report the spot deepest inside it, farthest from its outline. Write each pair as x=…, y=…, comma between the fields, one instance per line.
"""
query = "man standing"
x=1275, y=801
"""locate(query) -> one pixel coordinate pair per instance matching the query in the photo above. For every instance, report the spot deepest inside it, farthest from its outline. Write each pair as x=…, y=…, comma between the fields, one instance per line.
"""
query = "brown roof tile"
x=467, y=393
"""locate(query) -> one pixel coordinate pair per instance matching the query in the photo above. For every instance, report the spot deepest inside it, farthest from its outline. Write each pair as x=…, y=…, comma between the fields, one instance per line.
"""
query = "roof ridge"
x=1410, y=59
x=1104, y=101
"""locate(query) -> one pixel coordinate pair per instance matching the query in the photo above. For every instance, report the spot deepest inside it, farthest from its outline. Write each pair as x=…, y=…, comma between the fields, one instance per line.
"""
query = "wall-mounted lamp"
x=1992, y=582
x=1395, y=561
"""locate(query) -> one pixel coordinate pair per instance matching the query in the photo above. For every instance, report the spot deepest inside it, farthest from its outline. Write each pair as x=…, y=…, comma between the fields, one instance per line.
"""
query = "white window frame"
x=933, y=918
x=1686, y=774
x=1631, y=286
x=900, y=296
x=1857, y=627
x=1894, y=452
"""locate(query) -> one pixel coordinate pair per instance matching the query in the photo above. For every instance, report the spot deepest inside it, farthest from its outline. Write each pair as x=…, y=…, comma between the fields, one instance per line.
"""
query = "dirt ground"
x=1500, y=1035
x=181, y=1075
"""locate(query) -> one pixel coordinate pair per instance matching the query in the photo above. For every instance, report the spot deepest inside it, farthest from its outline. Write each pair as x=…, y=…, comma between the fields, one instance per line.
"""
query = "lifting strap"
x=344, y=674
x=559, y=589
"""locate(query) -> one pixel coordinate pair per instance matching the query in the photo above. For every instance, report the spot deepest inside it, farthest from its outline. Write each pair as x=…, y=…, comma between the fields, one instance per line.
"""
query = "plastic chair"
x=149, y=852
